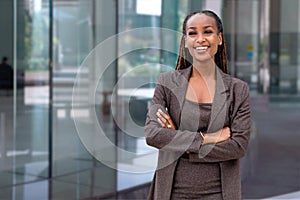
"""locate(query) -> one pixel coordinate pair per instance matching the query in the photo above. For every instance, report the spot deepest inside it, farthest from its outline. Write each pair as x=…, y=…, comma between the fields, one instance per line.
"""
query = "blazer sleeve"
x=163, y=138
x=236, y=146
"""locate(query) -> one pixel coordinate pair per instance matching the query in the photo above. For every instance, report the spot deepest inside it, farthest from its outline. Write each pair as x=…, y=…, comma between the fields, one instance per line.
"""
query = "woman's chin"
x=203, y=58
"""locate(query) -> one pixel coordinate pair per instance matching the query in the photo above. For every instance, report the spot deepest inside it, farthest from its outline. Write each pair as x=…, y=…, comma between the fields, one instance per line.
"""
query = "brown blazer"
x=230, y=108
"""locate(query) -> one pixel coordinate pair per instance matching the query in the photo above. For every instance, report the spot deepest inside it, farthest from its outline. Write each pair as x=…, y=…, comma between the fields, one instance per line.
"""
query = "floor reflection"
x=274, y=173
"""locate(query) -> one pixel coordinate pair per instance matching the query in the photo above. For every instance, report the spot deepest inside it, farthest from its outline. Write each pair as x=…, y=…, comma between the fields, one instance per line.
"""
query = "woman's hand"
x=165, y=120
x=216, y=137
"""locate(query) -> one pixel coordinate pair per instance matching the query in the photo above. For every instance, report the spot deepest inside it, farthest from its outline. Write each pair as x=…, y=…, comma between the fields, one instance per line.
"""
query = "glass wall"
x=138, y=67
x=6, y=102
x=70, y=30
x=79, y=94
x=284, y=48
x=32, y=88
x=25, y=108
x=40, y=112
x=241, y=28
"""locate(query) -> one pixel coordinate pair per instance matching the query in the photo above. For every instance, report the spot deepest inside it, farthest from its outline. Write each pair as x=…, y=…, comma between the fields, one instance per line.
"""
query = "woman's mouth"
x=201, y=48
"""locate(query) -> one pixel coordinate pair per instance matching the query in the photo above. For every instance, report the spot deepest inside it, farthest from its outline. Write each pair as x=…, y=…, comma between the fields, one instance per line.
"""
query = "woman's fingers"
x=161, y=117
x=161, y=123
x=161, y=120
x=226, y=132
x=166, y=116
x=164, y=119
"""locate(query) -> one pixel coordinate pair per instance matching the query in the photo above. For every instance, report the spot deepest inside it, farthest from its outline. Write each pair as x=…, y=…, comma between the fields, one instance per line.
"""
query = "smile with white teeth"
x=201, y=48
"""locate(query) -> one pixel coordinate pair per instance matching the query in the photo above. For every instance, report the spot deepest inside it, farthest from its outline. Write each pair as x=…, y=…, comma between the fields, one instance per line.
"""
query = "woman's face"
x=202, y=37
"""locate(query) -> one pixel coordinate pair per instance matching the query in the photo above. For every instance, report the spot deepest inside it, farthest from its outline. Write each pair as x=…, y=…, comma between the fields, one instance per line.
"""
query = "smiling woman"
x=184, y=58
x=202, y=37
x=199, y=118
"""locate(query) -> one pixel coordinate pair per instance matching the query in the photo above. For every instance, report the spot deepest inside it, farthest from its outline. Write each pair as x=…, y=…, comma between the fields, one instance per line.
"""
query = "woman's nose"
x=200, y=38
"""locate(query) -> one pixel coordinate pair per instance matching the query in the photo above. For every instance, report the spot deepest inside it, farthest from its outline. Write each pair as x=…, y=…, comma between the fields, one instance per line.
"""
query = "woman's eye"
x=192, y=33
x=208, y=31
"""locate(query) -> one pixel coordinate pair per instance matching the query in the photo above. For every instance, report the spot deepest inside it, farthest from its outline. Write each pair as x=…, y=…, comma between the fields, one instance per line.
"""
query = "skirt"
x=195, y=180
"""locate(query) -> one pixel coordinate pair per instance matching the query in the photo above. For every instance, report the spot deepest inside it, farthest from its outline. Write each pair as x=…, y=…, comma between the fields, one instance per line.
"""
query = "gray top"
x=202, y=178
x=195, y=110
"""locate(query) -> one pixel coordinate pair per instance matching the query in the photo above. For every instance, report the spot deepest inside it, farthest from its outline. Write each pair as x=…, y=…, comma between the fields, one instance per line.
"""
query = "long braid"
x=221, y=57
x=185, y=59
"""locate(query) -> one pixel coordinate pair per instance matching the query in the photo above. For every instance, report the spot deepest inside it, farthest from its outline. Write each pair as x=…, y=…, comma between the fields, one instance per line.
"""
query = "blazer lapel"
x=181, y=81
x=219, y=106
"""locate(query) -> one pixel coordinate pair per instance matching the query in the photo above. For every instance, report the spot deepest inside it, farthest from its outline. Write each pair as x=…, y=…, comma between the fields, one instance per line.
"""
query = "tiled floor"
x=277, y=169
x=293, y=195
x=274, y=174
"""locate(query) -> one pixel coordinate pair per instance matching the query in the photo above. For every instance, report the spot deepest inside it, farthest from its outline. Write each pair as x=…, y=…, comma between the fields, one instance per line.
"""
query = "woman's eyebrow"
x=193, y=28
x=206, y=26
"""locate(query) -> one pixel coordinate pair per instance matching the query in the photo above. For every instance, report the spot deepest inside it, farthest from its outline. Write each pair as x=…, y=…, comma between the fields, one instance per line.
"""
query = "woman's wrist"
x=209, y=138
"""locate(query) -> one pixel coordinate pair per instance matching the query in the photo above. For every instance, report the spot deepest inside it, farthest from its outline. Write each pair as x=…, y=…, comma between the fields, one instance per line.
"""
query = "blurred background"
x=47, y=43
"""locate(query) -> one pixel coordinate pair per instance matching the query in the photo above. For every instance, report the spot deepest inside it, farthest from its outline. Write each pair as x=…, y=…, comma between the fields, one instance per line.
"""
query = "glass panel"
x=6, y=95
x=67, y=148
x=138, y=69
x=288, y=63
x=284, y=48
x=247, y=42
x=288, y=51
x=80, y=100
x=24, y=111
x=32, y=95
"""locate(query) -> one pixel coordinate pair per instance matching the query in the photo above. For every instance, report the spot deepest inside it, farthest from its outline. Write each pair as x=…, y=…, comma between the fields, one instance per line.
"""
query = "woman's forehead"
x=201, y=20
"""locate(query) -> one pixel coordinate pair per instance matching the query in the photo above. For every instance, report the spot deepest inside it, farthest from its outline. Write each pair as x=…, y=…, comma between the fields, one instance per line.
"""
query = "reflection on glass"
x=24, y=113
x=78, y=28
x=32, y=78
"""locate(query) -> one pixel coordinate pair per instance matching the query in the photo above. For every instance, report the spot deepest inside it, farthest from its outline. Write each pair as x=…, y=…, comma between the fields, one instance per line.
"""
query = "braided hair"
x=185, y=58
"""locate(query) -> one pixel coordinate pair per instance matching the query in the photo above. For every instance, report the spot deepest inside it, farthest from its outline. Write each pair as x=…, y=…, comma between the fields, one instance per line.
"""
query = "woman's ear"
x=220, y=37
x=184, y=40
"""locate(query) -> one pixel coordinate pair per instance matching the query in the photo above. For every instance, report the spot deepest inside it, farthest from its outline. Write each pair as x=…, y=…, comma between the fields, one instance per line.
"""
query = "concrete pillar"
x=274, y=44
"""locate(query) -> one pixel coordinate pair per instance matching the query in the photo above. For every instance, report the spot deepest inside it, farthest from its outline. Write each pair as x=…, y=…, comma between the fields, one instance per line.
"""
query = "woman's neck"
x=206, y=70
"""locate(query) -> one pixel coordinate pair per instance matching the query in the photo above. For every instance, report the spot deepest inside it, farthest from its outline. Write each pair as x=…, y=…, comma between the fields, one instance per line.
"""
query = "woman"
x=199, y=118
